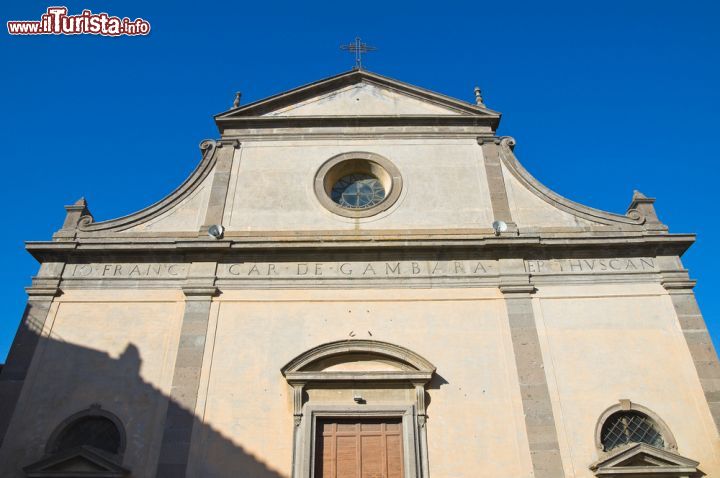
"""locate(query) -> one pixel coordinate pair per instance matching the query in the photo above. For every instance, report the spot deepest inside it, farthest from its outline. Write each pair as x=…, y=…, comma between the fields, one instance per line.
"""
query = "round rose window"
x=357, y=184
x=357, y=191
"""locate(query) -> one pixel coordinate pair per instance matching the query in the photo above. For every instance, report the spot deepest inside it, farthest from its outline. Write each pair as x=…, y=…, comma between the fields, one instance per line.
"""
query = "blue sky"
x=602, y=97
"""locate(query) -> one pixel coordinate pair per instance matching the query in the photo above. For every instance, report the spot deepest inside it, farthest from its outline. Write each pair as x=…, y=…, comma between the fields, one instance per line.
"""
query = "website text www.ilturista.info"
x=56, y=21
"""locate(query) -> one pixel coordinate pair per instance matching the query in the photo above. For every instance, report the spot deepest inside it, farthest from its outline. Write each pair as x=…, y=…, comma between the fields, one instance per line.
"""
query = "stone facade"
x=501, y=323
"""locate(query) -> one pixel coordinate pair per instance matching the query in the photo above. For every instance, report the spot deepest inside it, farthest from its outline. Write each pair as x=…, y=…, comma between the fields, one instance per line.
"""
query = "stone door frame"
x=413, y=371
x=305, y=439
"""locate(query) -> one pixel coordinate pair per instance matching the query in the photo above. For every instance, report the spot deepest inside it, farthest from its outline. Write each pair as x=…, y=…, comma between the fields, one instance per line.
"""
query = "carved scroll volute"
x=207, y=145
x=507, y=142
x=643, y=208
x=76, y=216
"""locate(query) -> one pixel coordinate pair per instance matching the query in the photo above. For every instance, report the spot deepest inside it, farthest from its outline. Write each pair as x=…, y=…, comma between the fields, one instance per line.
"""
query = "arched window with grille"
x=633, y=440
x=90, y=443
x=96, y=431
x=94, y=427
x=626, y=423
x=624, y=427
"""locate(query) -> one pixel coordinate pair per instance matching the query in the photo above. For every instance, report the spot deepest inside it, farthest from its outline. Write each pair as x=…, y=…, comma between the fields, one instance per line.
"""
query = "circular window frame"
x=358, y=162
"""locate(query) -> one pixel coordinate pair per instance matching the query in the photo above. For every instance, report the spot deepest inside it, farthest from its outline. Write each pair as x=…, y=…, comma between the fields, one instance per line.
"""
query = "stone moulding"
x=208, y=148
x=633, y=220
x=293, y=377
x=635, y=243
x=325, y=122
x=627, y=405
x=645, y=461
x=81, y=461
x=422, y=368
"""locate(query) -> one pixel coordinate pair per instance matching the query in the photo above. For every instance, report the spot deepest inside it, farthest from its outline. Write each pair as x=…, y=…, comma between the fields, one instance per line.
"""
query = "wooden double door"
x=354, y=448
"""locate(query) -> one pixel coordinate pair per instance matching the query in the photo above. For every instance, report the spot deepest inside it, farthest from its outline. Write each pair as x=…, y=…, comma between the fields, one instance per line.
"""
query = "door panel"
x=353, y=448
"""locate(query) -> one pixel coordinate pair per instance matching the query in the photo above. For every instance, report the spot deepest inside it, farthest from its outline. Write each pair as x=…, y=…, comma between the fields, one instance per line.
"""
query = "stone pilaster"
x=297, y=418
x=422, y=428
x=537, y=407
x=679, y=286
x=220, y=183
x=180, y=417
x=44, y=288
x=496, y=183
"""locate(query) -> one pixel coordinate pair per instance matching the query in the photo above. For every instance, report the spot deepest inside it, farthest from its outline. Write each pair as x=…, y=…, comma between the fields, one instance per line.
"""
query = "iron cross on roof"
x=358, y=47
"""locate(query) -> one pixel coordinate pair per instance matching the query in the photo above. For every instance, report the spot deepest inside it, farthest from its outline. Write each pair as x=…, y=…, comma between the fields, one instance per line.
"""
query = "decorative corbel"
x=234, y=143
x=420, y=403
x=642, y=206
x=298, y=402
x=488, y=139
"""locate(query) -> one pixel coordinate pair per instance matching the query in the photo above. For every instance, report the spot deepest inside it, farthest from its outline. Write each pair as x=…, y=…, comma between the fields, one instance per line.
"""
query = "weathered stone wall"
x=444, y=185
x=599, y=343
x=112, y=348
x=604, y=343
x=475, y=418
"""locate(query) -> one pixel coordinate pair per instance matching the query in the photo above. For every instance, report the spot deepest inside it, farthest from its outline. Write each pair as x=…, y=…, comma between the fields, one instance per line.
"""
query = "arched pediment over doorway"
x=364, y=360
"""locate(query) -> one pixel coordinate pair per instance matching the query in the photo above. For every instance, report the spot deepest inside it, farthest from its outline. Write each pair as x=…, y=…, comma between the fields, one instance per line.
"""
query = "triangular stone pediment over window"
x=644, y=461
x=82, y=461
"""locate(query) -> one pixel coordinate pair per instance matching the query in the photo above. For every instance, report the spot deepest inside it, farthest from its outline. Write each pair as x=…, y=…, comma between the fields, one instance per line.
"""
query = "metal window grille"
x=630, y=427
x=358, y=191
x=97, y=432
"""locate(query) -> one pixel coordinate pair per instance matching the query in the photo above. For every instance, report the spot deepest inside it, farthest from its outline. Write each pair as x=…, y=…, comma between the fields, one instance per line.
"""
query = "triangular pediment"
x=81, y=461
x=645, y=459
x=358, y=93
x=364, y=99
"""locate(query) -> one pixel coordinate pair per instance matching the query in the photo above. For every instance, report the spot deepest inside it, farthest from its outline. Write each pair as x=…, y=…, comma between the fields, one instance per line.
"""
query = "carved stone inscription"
x=357, y=270
x=591, y=266
x=126, y=271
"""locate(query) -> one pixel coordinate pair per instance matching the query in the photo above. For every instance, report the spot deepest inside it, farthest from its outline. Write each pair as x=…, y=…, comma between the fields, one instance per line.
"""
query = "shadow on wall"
x=72, y=379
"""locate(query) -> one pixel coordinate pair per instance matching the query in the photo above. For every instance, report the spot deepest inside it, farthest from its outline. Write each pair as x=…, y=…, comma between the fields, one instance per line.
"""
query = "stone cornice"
x=468, y=132
x=324, y=122
x=42, y=292
x=199, y=292
x=519, y=246
x=399, y=376
x=677, y=281
x=516, y=289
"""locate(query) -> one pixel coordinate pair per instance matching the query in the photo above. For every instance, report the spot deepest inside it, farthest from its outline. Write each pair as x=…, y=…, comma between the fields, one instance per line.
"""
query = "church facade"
x=360, y=280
